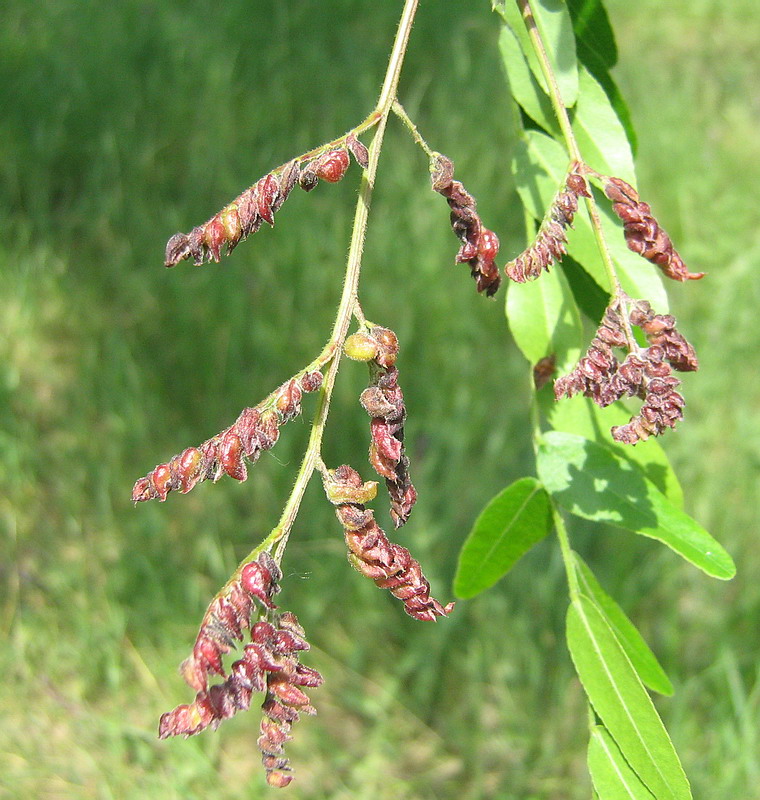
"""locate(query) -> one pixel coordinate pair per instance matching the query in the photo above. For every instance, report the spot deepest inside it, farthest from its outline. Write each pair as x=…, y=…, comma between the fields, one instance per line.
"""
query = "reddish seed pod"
x=267, y=190
x=161, y=480
x=358, y=151
x=231, y=223
x=488, y=245
x=332, y=166
x=231, y=456
x=311, y=381
x=257, y=582
x=188, y=468
x=214, y=236
x=142, y=490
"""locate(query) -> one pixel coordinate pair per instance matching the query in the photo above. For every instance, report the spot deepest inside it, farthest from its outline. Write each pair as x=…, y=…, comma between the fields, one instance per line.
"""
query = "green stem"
x=567, y=553
x=567, y=133
x=400, y=112
x=348, y=301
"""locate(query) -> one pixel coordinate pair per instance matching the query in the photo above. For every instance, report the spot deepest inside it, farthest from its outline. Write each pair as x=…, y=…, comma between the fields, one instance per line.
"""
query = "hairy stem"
x=348, y=302
x=400, y=112
x=570, y=141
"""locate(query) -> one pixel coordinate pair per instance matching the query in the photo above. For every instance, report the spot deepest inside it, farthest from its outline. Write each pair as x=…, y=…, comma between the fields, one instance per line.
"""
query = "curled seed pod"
x=384, y=402
x=643, y=233
x=389, y=565
x=254, y=430
x=644, y=372
x=479, y=244
x=549, y=245
x=358, y=151
x=267, y=190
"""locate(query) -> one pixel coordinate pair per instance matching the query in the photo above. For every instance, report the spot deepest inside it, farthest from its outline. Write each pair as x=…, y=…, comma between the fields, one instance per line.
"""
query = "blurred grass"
x=124, y=123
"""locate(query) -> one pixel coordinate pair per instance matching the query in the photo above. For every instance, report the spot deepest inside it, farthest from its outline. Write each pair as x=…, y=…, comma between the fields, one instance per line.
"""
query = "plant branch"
x=348, y=302
x=570, y=141
x=400, y=112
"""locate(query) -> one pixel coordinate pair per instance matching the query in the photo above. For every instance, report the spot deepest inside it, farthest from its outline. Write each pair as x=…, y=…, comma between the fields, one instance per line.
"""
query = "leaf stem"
x=348, y=305
x=567, y=133
x=400, y=112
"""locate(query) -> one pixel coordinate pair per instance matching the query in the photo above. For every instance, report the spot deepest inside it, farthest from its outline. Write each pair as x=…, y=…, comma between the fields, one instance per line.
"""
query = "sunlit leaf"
x=509, y=525
x=556, y=29
x=544, y=320
x=611, y=774
x=622, y=703
x=593, y=482
x=641, y=657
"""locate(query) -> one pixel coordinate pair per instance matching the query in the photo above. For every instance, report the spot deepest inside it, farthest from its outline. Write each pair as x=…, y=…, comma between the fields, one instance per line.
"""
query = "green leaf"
x=556, y=29
x=522, y=85
x=622, y=703
x=540, y=165
x=593, y=31
x=509, y=525
x=593, y=482
x=600, y=134
x=582, y=416
x=544, y=320
x=611, y=775
x=641, y=657
x=589, y=296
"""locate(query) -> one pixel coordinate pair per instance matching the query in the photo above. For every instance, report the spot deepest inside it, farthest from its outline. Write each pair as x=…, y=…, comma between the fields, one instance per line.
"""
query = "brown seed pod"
x=643, y=233
x=549, y=245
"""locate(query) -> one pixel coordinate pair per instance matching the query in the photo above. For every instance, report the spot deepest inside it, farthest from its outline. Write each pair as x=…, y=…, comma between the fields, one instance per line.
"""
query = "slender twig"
x=571, y=143
x=400, y=112
x=348, y=302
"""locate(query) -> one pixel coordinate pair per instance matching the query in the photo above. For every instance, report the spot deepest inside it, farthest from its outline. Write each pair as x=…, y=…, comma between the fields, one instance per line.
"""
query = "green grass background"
x=123, y=123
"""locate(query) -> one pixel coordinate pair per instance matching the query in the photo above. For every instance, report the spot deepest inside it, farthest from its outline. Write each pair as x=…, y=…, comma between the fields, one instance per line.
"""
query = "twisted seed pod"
x=255, y=430
x=389, y=565
x=549, y=245
x=480, y=245
x=643, y=233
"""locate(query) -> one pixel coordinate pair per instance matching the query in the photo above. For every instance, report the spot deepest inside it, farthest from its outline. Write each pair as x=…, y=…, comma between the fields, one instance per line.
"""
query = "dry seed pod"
x=644, y=372
x=270, y=663
x=549, y=245
x=259, y=203
x=255, y=430
x=383, y=400
x=389, y=565
x=643, y=233
x=480, y=245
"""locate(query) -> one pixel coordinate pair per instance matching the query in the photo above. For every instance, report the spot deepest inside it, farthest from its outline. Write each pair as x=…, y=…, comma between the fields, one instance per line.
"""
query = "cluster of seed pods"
x=259, y=203
x=255, y=430
x=645, y=372
x=270, y=664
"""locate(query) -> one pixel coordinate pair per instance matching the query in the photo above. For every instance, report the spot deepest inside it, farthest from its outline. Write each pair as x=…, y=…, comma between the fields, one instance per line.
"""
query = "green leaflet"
x=582, y=416
x=540, y=166
x=509, y=525
x=600, y=135
x=589, y=295
x=593, y=482
x=544, y=319
x=597, y=51
x=641, y=657
x=622, y=703
x=611, y=775
x=556, y=29
x=522, y=85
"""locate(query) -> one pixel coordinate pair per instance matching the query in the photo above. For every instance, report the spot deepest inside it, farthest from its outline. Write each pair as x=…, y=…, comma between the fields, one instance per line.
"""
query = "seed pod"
x=331, y=166
x=358, y=151
x=267, y=190
x=549, y=245
x=360, y=347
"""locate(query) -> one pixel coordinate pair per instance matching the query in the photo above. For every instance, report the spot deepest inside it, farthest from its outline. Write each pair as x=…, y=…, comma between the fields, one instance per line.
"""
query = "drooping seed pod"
x=270, y=664
x=389, y=565
x=383, y=400
x=549, y=245
x=643, y=233
x=358, y=151
x=480, y=245
x=255, y=430
x=644, y=372
x=332, y=165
